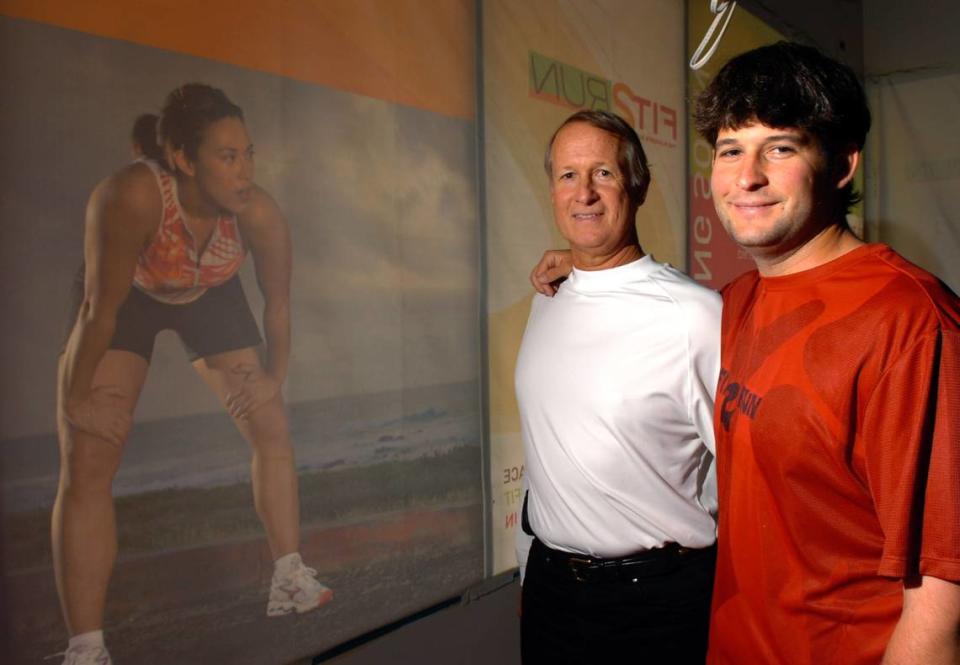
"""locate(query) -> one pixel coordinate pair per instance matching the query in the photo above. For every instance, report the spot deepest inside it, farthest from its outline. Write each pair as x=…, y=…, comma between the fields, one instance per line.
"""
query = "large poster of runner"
x=241, y=340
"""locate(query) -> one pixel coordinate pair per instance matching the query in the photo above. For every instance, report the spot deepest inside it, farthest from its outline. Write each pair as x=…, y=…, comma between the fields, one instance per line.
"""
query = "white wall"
x=912, y=63
x=834, y=26
x=899, y=35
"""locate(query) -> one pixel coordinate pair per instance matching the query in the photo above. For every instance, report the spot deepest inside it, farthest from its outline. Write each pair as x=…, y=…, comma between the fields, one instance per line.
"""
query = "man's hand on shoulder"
x=549, y=273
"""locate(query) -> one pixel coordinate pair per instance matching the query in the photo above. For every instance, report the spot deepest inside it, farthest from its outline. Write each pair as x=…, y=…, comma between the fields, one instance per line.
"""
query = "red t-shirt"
x=838, y=450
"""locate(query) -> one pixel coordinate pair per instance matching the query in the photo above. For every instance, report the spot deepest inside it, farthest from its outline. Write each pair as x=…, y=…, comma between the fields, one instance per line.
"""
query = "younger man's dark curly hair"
x=788, y=85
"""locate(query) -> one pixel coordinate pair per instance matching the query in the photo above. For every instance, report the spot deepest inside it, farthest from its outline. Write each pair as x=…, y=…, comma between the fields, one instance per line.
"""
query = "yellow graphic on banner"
x=543, y=60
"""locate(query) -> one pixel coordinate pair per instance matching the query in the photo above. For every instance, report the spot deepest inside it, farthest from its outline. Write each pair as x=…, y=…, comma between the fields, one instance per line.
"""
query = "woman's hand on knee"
x=101, y=414
x=254, y=389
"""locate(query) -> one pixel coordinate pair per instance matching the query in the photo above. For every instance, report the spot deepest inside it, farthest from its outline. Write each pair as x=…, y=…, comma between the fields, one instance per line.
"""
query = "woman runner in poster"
x=164, y=238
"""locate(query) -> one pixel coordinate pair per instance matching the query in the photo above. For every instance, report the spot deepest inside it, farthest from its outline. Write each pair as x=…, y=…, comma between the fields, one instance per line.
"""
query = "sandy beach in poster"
x=391, y=512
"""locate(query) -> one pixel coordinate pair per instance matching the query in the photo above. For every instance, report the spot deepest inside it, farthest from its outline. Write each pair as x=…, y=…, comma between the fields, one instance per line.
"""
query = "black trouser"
x=656, y=611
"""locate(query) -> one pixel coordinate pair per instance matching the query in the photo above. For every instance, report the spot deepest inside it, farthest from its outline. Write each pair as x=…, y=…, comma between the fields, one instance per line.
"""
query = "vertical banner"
x=542, y=61
x=713, y=258
x=361, y=118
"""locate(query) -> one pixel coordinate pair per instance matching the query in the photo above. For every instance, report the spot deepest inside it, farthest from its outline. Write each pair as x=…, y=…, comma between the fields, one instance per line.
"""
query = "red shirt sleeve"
x=911, y=435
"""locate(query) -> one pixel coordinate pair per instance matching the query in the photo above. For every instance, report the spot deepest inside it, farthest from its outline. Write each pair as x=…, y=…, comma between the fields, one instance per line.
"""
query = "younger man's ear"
x=845, y=165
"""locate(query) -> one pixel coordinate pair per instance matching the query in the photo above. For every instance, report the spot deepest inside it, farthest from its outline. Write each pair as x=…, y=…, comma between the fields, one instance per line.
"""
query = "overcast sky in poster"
x=380, y=199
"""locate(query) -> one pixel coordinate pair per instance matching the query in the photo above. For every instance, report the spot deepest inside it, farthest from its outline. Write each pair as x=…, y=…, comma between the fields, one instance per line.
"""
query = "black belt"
x=584, y=568
x=642, y=564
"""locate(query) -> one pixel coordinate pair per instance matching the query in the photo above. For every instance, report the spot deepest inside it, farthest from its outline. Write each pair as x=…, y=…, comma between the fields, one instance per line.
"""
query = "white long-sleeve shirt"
x=615, y=381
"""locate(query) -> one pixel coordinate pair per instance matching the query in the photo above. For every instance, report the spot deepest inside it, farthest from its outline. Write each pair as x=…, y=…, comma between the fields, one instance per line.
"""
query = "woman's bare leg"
x=294, y=587
x=83, y=527
x=274, y=476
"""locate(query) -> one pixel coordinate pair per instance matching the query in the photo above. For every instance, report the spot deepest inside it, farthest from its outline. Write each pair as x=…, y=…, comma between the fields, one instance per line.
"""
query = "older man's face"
x=590, y=202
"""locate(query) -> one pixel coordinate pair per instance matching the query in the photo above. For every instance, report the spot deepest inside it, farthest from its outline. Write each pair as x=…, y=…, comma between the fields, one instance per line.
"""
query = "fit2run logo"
x=735, y=397
x=565, y=85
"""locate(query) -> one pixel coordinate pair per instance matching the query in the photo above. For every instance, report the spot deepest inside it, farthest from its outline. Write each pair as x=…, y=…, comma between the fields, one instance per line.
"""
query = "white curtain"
x=913, y=168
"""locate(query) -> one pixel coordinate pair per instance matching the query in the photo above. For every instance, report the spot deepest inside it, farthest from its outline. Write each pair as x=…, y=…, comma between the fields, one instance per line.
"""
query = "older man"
x=615, y=381
x=838, y=410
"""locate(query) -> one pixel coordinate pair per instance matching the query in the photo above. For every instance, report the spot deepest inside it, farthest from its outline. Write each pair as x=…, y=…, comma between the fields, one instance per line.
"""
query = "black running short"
x=220, y=320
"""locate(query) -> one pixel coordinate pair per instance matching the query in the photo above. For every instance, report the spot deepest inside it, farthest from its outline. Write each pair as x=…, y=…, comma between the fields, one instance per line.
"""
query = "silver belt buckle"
x=572, y=563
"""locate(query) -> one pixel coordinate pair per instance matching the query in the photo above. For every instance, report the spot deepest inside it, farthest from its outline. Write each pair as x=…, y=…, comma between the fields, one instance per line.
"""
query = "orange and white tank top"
x=171, y=269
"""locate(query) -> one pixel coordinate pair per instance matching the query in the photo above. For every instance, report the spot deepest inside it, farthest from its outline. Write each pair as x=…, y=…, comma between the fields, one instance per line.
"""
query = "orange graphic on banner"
x=713, y=258
x=653, y=121
x=386, y=49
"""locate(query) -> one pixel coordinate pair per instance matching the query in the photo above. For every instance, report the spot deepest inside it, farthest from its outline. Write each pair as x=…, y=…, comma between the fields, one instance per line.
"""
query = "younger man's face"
x=772, y=188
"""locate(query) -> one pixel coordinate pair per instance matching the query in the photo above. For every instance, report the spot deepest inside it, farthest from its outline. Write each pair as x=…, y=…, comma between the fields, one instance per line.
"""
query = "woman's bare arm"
x=121, y=215
x=268, y=235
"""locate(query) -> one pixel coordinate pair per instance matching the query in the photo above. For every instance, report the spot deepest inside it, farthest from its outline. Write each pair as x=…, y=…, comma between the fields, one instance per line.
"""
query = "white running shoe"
x=296, y=589
x=87, y=655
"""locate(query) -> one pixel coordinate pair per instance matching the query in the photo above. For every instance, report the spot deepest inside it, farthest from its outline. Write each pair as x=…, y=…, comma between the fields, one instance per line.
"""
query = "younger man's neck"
x=830, y=244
